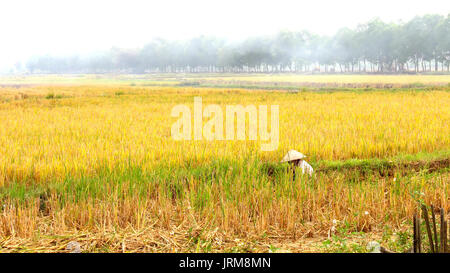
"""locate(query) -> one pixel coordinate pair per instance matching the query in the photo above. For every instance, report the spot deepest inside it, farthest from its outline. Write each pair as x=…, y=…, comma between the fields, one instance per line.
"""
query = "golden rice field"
x=97, y=164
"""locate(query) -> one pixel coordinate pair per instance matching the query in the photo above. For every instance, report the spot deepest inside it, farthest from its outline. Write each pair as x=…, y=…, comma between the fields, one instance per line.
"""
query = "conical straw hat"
x=293, y=155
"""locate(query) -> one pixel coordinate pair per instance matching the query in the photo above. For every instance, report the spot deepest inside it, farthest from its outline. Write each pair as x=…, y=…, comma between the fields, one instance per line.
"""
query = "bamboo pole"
x=443, y=229
x=414, y=234
x=436, y=240
x=427, y=224
x=419, y=239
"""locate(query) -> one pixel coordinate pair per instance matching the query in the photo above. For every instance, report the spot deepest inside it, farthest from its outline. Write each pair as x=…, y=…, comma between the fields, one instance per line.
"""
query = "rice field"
x=95, y=162
x=336, y=80
x=174, y=79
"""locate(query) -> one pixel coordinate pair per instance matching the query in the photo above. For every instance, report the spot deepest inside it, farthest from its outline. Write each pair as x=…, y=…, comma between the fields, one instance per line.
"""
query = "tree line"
x=419, y=45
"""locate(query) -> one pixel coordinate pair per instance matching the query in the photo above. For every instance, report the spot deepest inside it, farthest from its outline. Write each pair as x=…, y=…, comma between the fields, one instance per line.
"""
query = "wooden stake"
x=419, y=239
x=436, y=240
x=427, y=224
x=443, y=229
x=414, y=234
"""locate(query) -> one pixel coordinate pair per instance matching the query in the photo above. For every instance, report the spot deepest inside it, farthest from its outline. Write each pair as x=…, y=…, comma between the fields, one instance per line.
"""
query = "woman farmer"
x=295, y=158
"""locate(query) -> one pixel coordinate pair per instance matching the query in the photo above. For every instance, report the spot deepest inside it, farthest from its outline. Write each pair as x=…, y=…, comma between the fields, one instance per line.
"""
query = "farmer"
x=296, y=159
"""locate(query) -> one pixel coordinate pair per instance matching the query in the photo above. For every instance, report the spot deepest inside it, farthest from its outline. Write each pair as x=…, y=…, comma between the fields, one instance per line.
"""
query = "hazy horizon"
x=77, y=27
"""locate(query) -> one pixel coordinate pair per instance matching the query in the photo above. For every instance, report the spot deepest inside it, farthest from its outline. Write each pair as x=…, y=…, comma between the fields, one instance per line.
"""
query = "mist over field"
x=200, y=36
x=421, y=44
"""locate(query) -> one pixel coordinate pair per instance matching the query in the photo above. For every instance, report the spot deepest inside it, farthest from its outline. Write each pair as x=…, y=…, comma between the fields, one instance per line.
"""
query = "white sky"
x=68, y=26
